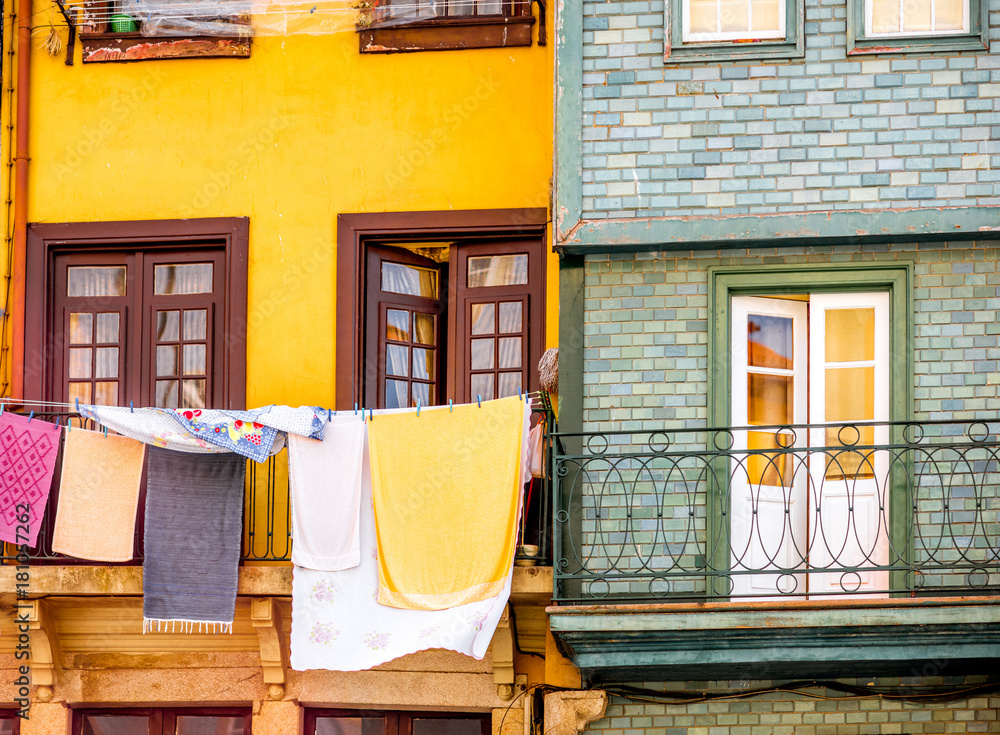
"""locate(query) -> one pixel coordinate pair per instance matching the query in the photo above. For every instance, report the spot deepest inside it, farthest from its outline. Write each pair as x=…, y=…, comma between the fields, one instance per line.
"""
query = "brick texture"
x=791, y=714
x=820, y=133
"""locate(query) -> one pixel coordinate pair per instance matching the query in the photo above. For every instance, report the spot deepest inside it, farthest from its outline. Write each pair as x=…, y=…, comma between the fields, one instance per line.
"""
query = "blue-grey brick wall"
x=646, y=330
x=825, y=132
x=790, y=714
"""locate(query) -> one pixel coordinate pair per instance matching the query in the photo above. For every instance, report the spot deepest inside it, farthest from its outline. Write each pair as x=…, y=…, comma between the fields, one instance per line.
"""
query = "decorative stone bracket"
x=567, y=713
x=266, y=620
x=502, y=646
x=46, y=657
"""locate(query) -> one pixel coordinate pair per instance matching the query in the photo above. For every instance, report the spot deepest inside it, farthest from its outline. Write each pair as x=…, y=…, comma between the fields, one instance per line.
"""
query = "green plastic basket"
x=121, y=23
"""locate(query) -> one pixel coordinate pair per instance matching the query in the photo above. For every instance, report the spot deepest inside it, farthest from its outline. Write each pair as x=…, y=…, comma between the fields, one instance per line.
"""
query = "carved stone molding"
x=266, y=620
x=46, y=659
x=567, y=713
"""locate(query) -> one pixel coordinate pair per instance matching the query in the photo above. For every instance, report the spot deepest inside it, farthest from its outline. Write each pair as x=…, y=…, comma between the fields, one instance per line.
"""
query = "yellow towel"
x=98, y=496
x=445, y=486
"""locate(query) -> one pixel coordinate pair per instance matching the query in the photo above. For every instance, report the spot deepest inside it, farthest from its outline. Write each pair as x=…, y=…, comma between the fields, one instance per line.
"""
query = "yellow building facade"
x=291, y=167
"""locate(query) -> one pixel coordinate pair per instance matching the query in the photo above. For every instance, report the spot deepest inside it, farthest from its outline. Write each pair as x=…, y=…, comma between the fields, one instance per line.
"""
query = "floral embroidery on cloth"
x=251, y=433
x=150, y=426
x=323, y=633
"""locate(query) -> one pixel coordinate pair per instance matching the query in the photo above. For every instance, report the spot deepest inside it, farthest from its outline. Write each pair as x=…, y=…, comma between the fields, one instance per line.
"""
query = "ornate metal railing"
x=267, y=535
x=771, y=512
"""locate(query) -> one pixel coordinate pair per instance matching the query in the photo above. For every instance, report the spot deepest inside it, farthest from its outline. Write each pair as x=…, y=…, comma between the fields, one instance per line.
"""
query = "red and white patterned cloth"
x=28, y=450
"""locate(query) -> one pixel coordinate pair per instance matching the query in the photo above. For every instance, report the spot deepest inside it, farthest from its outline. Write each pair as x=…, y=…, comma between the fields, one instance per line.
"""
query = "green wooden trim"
x=977, y=39
x=568, y=119
x=571, y=323
x=805, y=228
x=726, y=281
x=677, y=51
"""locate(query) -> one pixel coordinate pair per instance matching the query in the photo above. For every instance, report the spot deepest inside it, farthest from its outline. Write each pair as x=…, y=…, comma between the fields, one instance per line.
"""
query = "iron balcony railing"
x=267, y=535
x=872, y=509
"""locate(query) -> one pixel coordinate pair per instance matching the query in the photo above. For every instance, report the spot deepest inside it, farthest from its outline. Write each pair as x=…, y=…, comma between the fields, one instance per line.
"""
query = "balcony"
x=773, y=551
x=267, y=534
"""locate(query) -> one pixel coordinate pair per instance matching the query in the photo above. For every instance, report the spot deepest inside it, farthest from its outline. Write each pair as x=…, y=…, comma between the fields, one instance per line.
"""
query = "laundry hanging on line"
x=98, y=496
x=193, y=529
x=324, y=478
x=446, y=486
x=27, y=463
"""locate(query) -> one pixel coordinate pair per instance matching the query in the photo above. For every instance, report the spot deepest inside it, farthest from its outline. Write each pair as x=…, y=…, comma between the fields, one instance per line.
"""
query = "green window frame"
x=975, y=39
x=678, y=51
x=724, y=282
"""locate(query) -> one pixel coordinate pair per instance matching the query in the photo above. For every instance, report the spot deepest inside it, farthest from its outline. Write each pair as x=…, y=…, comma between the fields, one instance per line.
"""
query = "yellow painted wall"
x=305, y=129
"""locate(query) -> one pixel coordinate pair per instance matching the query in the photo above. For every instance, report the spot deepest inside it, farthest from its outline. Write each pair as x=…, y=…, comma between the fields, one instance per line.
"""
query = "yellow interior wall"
x=305, y=129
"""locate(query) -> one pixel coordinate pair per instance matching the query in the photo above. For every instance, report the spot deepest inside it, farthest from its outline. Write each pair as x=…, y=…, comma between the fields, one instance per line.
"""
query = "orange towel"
x=98, y=496
x=446, y=486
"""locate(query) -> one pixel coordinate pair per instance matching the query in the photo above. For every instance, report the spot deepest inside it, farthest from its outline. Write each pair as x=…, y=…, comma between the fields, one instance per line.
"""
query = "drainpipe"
x=15, y=308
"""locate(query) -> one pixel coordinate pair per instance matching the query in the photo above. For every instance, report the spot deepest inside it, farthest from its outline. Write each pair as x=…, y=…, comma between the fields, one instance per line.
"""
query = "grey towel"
x=194, y=509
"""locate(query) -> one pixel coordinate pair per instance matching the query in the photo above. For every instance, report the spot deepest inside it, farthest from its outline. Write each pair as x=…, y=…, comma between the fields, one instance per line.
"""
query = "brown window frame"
x=15, y=718
x=396, y=723
x=511, y=27
x=47, y=241
x=357, y=233
x=162, y=720
x=100, y=44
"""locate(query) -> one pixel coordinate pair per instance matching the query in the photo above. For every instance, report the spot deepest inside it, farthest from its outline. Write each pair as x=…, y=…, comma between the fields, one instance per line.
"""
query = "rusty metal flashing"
x=105, y=47
x=857, y=227
x=448, y=34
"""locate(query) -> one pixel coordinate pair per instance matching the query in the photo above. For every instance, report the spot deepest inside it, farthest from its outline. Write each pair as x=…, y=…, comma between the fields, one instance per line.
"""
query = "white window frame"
x=747, y=35
x=870, y=21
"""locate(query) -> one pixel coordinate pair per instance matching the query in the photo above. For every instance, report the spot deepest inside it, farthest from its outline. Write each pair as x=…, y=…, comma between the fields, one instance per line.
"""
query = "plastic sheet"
x=166, y=18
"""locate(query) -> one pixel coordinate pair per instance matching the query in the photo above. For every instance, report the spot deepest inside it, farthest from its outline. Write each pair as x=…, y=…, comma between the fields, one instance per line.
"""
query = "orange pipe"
x=16, y=305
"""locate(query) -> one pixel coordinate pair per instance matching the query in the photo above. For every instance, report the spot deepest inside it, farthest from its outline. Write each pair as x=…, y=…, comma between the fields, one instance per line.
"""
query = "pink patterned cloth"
x=28, y=450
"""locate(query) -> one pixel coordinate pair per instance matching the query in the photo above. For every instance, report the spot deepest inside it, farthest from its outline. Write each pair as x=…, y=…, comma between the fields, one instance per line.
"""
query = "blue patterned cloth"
x=250, y=433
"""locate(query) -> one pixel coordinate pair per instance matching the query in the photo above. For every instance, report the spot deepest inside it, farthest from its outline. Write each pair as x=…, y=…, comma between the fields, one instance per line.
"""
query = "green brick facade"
x=830, y=713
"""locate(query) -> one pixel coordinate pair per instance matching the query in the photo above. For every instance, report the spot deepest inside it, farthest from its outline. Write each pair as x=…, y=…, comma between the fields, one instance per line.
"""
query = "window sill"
x=104, y=47
x=734, y=51
x=447, y=35
x=917, y=45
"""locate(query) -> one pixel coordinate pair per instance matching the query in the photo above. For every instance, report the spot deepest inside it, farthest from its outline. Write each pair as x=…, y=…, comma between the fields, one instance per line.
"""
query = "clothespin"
x=105, y=432
x=2, y=404
x=69, y=426
x=78, y=404
x=31, y=416
x=356, y=412
x=418, y=409
x=451, y=406
x=370, y=414
x=329, y=415
x=58, y=419
x=131, y=407
x=479, y=400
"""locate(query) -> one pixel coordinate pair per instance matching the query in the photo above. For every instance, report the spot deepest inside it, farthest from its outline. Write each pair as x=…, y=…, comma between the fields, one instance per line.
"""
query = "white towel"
x=338, y=625
x=325, y=484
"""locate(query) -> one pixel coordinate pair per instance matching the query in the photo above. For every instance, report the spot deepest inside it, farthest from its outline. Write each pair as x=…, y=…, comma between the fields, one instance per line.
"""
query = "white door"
x=811, y=359
x=849, y=381
x=769, y=369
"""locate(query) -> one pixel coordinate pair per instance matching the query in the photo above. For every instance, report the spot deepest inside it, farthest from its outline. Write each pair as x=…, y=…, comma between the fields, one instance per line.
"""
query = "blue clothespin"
x=479, y=400
x=58, y=419
x=356, y=411
x=78, y=405
x=131, y=407
x=451, y=406
x=69, y=426
x=418, y=409
x=329, y=416
x=105, y=432
x=370, y=417
x=31, y=416
x=2, y=404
